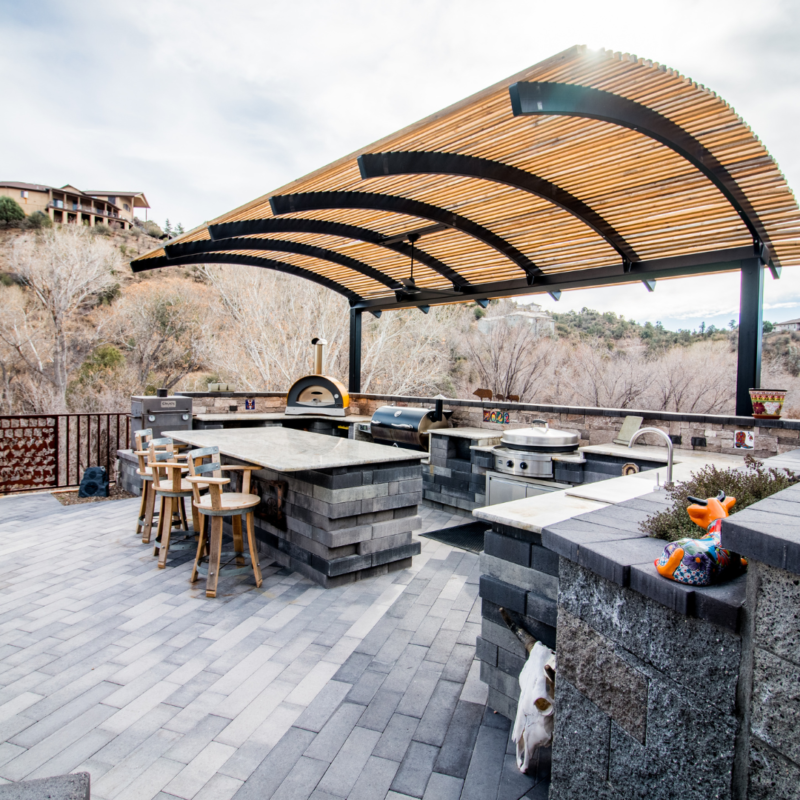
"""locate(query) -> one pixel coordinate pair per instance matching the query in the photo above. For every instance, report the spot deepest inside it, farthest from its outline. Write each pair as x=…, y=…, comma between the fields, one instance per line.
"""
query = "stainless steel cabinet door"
x=503, y=490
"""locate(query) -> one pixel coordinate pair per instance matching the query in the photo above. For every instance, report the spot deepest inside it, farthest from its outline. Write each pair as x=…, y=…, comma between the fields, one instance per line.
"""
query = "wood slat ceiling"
x=649, y=202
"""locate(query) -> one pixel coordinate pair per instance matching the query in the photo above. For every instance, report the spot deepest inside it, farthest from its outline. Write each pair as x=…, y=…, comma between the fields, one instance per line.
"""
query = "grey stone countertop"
x=597, y=526
x=769, y=531
x=476, y=434
x=279, y=416
x=287, y=450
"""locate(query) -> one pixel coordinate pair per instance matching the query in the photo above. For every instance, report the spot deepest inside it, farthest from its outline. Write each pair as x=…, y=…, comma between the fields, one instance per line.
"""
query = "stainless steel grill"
x=407, y=427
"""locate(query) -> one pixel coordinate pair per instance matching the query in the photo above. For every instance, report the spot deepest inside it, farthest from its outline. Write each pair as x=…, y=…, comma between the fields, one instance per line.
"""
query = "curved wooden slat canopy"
x=181, y=249
x=588, y=169
x=250, y=261
x=373, y=165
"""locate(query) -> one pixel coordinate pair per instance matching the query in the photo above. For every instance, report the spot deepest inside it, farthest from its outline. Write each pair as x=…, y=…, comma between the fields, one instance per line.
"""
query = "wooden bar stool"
x=217, y=505
x=172, y=490
x=147, y=512
x=145, y=521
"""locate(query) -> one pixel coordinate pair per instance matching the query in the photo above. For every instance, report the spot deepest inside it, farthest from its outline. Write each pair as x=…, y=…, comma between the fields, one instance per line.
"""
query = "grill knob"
x=509, y=463
x=523, y=465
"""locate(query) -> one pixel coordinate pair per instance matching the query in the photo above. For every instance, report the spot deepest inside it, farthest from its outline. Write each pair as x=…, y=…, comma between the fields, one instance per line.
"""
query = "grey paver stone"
x=415, y=771
x=396, y=737
x=436, y=719
x=443, y=787
x=349, y=762
x=331, y=738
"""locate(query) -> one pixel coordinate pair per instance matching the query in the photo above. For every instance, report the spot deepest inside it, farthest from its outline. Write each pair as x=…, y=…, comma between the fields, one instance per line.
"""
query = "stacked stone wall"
x=646, y=698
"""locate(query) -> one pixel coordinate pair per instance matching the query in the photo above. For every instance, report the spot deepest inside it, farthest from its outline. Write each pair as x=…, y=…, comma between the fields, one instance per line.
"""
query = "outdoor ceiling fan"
x=410, y=288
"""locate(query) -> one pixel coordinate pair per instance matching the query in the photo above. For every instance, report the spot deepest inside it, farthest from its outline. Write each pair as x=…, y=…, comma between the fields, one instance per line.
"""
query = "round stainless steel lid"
x=540, y=438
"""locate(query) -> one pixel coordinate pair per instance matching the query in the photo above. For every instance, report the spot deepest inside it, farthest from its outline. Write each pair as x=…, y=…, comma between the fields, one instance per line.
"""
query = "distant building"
x=71, y=205
x=789, y=325
x=541, y=322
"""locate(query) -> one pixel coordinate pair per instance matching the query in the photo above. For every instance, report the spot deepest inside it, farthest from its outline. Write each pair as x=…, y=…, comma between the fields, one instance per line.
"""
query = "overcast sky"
x=204, y=104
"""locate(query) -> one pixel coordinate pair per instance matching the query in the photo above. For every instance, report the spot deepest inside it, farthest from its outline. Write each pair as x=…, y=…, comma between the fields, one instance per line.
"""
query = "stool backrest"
x=142, y=439
x=205, y=462
x=160, y=451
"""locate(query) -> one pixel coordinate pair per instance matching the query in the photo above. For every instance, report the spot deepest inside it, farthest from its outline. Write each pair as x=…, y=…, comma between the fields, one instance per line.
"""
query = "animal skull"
x=533, y=727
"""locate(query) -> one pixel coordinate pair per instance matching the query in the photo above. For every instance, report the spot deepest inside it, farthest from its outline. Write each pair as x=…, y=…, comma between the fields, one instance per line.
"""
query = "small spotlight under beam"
x=424, y=309
x=483, y=303
x=555, y=294
x=649, y=284
x=376, y=314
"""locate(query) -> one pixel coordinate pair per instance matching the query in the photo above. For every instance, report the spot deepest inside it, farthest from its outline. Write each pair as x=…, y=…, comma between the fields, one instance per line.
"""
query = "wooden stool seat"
x=217, y=505
x=167, y=489
x=230, y=502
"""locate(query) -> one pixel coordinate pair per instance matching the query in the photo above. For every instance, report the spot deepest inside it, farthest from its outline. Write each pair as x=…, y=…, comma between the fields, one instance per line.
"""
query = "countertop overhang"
x=287, y=450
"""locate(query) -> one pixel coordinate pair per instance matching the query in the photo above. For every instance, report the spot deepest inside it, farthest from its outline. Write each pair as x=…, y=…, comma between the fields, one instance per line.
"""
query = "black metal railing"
x=51, y=451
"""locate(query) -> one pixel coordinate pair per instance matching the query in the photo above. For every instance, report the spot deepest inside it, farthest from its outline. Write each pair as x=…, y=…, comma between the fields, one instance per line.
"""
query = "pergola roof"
x=587, y=169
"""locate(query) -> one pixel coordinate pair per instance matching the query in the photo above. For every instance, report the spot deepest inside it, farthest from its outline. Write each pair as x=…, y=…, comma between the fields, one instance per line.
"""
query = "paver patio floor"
x=110, y=665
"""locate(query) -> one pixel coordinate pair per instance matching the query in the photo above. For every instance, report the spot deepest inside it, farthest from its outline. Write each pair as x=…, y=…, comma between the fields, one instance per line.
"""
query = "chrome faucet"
x=642, y=431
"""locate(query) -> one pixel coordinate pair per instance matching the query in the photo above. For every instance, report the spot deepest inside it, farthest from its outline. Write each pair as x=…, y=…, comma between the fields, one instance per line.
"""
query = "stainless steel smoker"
x=160, y=414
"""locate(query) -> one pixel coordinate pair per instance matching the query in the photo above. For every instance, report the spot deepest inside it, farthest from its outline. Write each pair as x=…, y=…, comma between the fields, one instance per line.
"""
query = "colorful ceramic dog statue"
x=701, y=562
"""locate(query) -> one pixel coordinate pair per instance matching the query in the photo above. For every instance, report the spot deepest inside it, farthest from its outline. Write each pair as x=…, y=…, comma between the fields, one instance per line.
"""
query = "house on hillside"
x=789, y=325
x=541, y=322
x=71, y=205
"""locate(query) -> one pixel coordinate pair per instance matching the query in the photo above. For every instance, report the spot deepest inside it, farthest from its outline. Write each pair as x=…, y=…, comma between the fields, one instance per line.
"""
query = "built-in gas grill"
x=529, y=451
x=318, y=393
x=407, y=427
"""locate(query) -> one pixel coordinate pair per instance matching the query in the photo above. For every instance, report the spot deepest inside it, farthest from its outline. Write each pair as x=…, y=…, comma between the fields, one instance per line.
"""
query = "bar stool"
x=172, y=490
x=217, y=505
x=147, y=512
x=145, y=520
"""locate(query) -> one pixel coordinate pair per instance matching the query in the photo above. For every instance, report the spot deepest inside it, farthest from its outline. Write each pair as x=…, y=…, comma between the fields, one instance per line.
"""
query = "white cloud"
x=206, y=105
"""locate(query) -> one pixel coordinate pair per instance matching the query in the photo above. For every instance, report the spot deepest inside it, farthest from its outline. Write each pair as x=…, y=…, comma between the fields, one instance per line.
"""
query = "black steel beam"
x=354, y=372
x=249, y=227
x=315, y=201
x=656, y=269
x=751, y=304
x=281, y=246
x=249, y=261
x=561, y=99
x=376, y=165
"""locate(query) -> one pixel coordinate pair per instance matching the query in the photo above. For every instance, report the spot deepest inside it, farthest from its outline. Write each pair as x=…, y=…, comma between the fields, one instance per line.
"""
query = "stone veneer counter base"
x=348, y=509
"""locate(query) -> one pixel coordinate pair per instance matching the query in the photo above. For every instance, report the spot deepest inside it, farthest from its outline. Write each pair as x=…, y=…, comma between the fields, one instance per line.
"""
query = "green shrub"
x=105, y=360
x=151, y=229
x=748, y=486
x=102, y=229
x=10, y=209
x=37, y=221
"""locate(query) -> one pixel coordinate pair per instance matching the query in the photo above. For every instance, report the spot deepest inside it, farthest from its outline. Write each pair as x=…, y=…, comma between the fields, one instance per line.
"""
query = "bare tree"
x=164, y=330
x=508, y=358
x=65, y=270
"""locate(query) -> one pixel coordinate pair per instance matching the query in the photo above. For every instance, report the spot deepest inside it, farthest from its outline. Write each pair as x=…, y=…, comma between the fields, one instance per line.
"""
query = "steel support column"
x=354, y=382
x=751, y=303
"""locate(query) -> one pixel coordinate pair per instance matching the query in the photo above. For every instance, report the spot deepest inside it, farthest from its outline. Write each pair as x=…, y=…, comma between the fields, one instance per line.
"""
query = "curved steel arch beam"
x=250, y=261
x=245, y=227
x=568, y=100
x=314, y=201
x=376, y=165
x=280, y=246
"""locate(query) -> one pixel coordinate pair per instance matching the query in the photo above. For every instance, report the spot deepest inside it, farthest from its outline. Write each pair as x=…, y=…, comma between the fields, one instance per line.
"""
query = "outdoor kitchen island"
x=335, y=510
